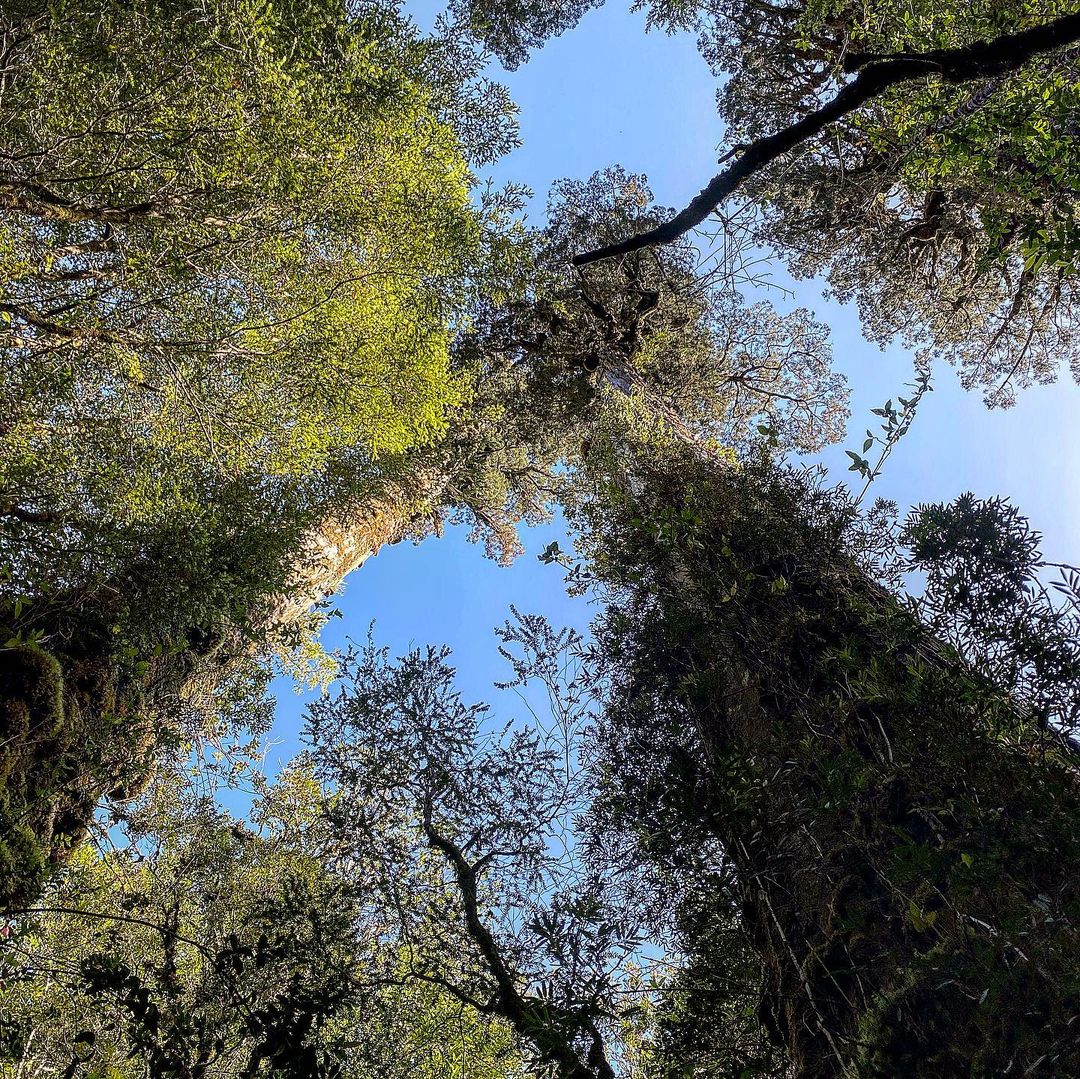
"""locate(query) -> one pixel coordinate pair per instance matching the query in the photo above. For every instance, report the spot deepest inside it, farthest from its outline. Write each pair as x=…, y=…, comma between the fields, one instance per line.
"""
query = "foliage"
x=446, y=881
x=196, y=944
x=185, y=295
x=253, y=328
x=190, y=946
x=549, y=361
x=988, y=593
x=464, y=834
x=659, y=340
x=906, y=921
x=237, y=240
x=511, y=31
x=946, y=211
x=652, y=823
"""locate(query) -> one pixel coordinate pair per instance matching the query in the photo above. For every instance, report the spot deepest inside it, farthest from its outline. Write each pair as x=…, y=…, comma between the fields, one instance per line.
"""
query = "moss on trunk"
x=907, y=844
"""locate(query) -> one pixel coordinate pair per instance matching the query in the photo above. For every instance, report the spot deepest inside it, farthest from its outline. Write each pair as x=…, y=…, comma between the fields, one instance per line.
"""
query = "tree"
x=190, y=944
x=912, y=911
x=237, y=239
x=546, y=366
x=945, y=207
x=233, y=271
x=935, y=187
x=464, y=836
x=899, y=817
x=511, y=886
x=235, y=257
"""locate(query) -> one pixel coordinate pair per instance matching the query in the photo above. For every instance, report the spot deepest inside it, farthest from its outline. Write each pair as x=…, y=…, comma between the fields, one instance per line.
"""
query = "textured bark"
x=907, y=848
x=345, y=540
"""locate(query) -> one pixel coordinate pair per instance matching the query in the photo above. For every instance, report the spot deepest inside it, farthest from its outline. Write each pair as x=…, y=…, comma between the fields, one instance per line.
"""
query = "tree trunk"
x=907, y=846
x=79, y=722
x=346, y=539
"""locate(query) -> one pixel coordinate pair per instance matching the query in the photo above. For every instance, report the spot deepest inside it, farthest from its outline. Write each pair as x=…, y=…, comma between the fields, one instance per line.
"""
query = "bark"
x=907, y=847
x=981, y=60
x=346, y=539
x=79, y=722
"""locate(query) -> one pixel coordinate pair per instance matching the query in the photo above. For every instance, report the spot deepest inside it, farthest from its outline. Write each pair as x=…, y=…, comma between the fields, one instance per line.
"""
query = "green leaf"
x=551, y=553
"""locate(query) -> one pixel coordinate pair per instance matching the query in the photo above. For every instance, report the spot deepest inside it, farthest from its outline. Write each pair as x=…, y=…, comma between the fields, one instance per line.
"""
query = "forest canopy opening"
x=799, y=799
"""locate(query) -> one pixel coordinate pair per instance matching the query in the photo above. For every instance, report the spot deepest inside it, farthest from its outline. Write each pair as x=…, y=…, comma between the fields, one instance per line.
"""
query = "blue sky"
x=607, y=93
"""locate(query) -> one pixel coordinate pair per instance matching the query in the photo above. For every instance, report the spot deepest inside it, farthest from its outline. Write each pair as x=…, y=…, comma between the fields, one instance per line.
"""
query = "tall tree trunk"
x=81, y=720
x=345, y=539
x=907, y=846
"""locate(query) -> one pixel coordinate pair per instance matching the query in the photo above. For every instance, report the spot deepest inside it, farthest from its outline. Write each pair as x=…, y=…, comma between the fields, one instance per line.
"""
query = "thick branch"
x=30, y=517
x=529, y=1020
x=979, y=60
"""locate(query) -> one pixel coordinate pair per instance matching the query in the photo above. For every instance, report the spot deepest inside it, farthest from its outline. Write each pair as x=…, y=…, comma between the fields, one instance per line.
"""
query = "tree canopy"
x=804, y=803
x=919, y=157
x=234, y=240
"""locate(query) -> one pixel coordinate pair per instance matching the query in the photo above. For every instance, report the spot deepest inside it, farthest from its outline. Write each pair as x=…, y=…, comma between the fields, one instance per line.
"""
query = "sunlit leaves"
x=235, y=238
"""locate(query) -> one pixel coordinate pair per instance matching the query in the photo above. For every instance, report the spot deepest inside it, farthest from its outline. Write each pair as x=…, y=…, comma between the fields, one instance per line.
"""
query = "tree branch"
x=104, y=915
x=979, y=60
x=30, y=517
x=532, y=1019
